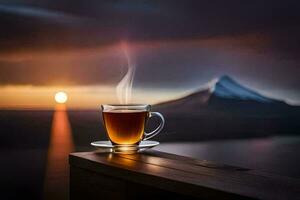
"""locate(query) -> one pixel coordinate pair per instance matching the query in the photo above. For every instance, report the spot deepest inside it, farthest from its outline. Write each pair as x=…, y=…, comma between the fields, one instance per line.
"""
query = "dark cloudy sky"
x=175, y=44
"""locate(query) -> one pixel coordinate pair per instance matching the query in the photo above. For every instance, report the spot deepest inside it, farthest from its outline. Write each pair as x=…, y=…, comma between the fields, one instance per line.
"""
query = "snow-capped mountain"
x=222, y=91
x=226, y=109
x=226, y=87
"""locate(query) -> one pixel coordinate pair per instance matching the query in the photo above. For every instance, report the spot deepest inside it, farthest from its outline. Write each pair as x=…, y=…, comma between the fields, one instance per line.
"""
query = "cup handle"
x=158, y=129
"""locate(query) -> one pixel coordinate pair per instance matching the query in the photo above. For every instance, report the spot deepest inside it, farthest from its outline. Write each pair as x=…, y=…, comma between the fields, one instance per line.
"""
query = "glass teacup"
x=125, y=125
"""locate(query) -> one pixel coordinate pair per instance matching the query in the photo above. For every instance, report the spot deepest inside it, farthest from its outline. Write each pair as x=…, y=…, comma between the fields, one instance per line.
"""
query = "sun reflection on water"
x=61, y=144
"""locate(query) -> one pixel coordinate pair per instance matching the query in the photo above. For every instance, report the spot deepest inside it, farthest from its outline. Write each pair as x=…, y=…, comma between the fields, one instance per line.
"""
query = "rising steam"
x=124, y=87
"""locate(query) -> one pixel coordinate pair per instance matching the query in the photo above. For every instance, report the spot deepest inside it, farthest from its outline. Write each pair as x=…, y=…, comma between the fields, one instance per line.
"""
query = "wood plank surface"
x=187, y=176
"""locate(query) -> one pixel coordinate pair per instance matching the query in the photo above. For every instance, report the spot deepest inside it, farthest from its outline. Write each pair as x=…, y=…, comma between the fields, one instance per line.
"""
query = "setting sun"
x=61, y=97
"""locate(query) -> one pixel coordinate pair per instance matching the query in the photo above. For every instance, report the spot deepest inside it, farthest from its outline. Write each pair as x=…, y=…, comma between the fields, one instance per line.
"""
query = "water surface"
x=278, y=155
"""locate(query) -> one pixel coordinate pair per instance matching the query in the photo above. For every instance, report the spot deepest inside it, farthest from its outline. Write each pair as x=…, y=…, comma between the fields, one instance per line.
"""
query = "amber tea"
x=125, y=126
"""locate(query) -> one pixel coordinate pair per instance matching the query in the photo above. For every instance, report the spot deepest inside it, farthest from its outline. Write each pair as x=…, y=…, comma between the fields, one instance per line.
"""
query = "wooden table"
x=153, y=174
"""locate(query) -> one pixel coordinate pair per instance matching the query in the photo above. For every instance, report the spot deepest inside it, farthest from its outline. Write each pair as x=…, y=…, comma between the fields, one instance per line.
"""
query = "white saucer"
x=145, y=144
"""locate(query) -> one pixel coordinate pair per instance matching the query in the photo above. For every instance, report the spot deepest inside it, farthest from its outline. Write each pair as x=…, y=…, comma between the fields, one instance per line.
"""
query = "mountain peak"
x=227, y=87
x=216, y=92
x=225, y=78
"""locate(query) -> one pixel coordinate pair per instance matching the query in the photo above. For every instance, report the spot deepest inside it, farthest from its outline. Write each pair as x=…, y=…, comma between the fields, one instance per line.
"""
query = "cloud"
x=108, y=22
x=179, y=44
x=168, y=64
x=36, y=12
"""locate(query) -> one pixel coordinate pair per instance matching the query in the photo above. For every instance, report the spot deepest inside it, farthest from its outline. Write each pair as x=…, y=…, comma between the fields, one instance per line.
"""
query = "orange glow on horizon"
x=80, y=97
